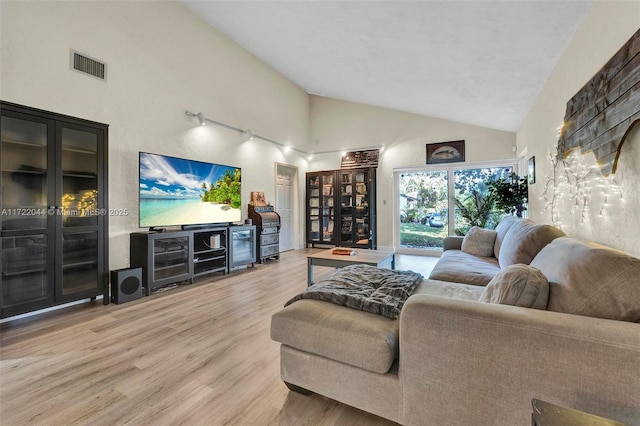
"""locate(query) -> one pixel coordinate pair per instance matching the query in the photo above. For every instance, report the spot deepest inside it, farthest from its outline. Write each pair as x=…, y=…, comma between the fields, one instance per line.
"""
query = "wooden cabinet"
x=341, y=208
x=54, y=209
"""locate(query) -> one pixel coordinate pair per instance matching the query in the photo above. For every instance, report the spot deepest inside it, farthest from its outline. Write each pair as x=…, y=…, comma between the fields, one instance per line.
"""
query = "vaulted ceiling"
x=477, y=62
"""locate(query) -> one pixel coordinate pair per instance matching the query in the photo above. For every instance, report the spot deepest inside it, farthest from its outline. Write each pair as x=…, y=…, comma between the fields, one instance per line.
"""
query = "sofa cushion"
x=479, y=241
x=448, y=289
x=501, y=230
x=591, y=280
x=518, y=285
x=524, y=240
x=357, y=338
x=460, y=267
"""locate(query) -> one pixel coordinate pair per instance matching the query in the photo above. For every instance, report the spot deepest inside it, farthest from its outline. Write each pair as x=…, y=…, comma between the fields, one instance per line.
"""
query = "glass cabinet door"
x=313, y=200
x=243, y=246
x=347, y=196
x=24, y=154
x=170, y=257
x=81, y=209
x=328, y=213
x=362, y=208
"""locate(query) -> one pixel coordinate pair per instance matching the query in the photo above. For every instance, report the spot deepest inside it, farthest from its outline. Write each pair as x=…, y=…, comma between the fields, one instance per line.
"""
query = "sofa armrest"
x=465, y=362
x=452, y=243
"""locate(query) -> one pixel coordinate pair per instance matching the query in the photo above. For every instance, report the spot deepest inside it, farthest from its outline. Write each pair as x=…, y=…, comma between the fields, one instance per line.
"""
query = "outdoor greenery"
x=510, y=194
x=425, y=193
x=225, y=191
x=477, y=209
x=416, y=235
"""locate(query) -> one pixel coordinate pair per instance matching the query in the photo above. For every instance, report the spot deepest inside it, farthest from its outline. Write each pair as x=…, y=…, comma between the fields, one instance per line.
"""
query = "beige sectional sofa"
x=452, y=360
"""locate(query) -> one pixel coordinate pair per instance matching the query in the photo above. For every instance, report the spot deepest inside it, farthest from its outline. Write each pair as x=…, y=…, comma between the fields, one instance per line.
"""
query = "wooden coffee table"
x=382, y=258
x=547, y=414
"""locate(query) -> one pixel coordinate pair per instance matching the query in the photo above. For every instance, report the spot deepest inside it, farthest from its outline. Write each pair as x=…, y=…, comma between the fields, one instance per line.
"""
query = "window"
x=436, y=201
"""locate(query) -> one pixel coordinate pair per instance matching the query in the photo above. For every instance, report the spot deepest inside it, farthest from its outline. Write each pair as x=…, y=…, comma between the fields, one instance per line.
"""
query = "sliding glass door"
x=434, y=202
x=423, y=205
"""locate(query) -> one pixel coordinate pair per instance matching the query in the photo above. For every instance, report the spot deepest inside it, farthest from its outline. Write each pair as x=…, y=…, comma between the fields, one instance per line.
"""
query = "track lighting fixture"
x=249, y=135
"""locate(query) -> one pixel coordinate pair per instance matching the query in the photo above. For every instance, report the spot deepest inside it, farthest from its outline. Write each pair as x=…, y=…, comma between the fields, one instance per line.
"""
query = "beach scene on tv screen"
x=176, y=191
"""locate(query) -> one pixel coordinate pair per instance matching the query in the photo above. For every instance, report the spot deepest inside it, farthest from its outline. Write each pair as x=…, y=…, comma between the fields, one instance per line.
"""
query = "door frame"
x=295, y=199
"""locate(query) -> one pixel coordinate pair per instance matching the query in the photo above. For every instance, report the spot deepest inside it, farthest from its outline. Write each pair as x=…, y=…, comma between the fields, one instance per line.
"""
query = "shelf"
x=210, y=271
x=23, y=272
x=79, y=151
x=23, y=143
x=157, y=268
x=79, y=175
x=208, y=259
x=25, y=172
x=221, y=249
x=77, y=264
x=173, y=251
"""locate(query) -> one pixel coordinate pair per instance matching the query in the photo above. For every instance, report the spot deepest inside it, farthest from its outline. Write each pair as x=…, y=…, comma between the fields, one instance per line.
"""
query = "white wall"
x=338, y=125
x=162, y=60
x=607, y=26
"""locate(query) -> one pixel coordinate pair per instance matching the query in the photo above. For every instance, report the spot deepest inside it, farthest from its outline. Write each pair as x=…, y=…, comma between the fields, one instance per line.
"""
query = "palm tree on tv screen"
x=225, y=191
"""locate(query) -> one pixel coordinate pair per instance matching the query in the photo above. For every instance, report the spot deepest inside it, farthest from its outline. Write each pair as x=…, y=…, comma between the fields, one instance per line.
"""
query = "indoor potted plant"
x=510, y=194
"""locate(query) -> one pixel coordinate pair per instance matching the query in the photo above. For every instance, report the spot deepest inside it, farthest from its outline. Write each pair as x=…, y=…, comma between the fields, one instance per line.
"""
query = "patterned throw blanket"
x=366, y=288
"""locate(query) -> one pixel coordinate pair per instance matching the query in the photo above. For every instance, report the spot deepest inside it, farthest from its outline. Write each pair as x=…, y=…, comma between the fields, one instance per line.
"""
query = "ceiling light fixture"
x=249, y=135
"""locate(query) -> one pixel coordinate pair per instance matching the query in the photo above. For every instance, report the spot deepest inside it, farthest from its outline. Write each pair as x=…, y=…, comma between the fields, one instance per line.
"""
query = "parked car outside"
x=433, y=219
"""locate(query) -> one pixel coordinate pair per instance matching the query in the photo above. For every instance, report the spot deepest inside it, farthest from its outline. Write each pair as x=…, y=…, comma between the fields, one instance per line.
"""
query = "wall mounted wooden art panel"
x=601, y=114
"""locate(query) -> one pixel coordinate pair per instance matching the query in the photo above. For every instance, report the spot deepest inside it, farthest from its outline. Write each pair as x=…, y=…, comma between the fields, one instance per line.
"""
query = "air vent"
x=87, y=65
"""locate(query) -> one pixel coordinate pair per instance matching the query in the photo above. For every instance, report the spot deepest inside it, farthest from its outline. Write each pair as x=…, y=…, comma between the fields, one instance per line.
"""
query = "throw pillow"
x=518, y=285
x=479, y=242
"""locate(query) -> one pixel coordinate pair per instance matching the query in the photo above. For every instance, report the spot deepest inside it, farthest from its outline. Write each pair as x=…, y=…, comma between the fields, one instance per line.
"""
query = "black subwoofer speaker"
x=126, y=285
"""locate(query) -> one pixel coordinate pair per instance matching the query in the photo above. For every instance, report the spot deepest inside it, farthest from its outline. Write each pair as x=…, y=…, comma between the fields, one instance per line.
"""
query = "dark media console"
x=168, y=257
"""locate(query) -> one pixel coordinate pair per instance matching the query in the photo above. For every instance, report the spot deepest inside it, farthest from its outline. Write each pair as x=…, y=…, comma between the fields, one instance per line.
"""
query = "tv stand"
x=173, y=256
x=204, y=226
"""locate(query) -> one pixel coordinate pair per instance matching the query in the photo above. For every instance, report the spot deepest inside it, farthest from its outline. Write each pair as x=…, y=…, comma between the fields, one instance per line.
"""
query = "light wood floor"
x=199, y=354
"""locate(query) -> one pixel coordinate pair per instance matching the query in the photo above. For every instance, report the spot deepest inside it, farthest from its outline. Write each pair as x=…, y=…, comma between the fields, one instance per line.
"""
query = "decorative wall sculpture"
x=599, y=117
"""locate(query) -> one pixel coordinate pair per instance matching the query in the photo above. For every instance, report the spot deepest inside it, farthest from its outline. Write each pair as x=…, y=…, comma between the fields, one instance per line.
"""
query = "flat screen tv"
x=175, y=191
